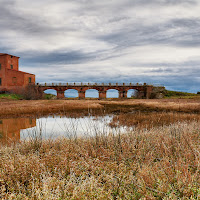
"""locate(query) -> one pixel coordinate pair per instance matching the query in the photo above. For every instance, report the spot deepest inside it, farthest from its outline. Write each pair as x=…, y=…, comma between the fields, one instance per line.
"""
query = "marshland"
x=100, y=149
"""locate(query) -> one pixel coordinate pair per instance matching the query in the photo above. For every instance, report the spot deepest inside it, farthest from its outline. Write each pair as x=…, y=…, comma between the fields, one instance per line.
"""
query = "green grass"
x=49, y=96
x=176, y=94
x=11, y=96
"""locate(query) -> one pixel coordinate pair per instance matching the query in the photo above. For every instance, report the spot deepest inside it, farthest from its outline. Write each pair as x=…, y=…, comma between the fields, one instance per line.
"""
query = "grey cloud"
x=162, y=70
x=11, y=19
x=123, y=32
x=187, y=34
x=163, y=2
x=73, y=57
x=59, y=59
x=120, y=5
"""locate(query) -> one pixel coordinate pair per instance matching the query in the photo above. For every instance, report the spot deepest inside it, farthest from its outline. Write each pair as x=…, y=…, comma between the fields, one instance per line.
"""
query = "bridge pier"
x=81, y=94
x=123, y=94
x=147, y=92
x=60, y=94
x=140, y=94
x=102, y=94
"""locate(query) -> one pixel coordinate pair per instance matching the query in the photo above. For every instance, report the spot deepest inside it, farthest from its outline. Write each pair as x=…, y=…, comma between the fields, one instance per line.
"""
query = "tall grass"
x=150, y=120
x=158, y=163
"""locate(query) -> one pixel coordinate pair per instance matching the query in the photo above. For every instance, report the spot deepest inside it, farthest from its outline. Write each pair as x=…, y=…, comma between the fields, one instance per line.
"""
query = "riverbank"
x=43, y=107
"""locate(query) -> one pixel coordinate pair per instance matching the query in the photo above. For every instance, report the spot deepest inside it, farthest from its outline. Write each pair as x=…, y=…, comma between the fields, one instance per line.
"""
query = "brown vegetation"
x=161, y=163
x=40, y=107
x=150, y=120
x=158, y=159
x=177, y=105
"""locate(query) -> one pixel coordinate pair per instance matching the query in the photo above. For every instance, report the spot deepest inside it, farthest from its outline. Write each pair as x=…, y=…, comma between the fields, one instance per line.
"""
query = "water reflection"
x=10, y=129
x=16, y=129
x=57, y=126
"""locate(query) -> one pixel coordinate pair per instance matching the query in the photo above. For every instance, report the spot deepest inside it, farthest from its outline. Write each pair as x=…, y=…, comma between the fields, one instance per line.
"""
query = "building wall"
x=12, y=60
x=11, y=78
x=3, y=70
x=26, y=79
x=18, y=76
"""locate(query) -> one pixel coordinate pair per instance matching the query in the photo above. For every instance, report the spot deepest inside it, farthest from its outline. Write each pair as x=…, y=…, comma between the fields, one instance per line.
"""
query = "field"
x=42, y=107
x=159, y=158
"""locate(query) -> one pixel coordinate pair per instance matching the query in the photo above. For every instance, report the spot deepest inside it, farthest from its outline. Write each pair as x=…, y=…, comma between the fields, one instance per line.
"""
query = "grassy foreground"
x=160, y=163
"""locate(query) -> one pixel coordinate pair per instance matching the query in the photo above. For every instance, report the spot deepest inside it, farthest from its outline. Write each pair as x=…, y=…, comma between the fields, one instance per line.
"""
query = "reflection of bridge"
x=143, y=90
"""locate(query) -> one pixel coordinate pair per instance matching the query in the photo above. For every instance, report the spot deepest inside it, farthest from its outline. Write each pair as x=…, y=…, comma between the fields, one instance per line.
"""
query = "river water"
x=16, y=129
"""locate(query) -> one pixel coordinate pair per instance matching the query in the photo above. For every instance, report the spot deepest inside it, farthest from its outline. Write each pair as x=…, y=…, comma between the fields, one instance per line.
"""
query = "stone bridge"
x=143, y=90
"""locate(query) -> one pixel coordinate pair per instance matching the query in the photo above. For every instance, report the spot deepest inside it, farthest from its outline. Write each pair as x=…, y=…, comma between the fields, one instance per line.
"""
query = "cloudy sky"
x=153, y=41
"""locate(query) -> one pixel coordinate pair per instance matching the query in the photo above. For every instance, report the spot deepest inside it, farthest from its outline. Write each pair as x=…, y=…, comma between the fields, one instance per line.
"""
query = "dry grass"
x=177, y=105
x=150, y=120
x=160, y=163
x=42, y=107
x=159, y=159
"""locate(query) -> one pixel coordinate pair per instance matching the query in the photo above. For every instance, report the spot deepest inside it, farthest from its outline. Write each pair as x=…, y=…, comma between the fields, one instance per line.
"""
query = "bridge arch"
x=50, y=92
x=112, y=93
x=92, y=93
x=132, y=93
x=71, y=93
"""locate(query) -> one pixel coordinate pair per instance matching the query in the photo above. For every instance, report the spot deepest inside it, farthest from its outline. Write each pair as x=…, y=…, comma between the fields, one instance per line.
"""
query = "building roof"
x=3, y=54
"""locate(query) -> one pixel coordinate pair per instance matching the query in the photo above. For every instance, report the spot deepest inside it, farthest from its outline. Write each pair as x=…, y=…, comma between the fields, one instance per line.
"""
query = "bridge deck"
x=92, y=84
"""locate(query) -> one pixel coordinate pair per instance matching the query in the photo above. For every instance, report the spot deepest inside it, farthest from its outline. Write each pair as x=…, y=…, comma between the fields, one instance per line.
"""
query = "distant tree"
x=31, y=93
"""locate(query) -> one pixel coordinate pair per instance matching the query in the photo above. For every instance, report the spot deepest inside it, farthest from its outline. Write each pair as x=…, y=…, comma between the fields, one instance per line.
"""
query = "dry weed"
x=160, y=163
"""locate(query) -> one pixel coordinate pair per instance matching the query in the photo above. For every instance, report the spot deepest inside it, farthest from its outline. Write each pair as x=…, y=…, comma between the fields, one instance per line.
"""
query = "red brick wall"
x=12, y=60
x=10, y=74
x=26, y=78
x=2, y=71
x=12, y=79
x=17, y=81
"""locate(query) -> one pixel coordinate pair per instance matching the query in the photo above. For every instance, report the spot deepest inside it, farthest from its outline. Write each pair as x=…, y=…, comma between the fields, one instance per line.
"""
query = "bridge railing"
x=90, y=84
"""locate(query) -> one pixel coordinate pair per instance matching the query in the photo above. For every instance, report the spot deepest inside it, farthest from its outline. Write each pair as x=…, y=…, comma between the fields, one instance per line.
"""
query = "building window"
x=14, y=79
x=0, y=81
x=29, y=79
x=11, y=66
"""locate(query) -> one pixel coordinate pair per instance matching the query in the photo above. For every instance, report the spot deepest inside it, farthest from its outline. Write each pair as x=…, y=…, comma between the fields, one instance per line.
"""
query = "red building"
x=11, y=79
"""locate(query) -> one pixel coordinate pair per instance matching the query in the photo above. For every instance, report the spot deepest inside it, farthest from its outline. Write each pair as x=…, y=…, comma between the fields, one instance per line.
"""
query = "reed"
x=42, y=107
x=157, y=163
x=150, y=120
